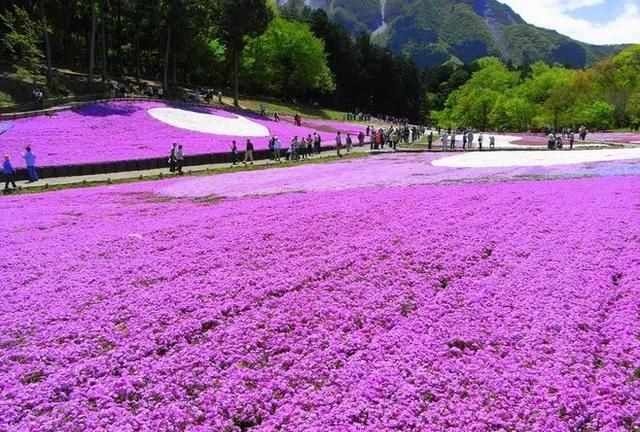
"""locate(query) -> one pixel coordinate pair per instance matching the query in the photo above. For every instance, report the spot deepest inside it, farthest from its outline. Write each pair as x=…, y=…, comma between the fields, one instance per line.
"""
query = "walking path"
x=154, y=173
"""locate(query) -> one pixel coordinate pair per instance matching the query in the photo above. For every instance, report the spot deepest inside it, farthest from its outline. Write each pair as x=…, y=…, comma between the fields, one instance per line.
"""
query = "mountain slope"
x=436, y=31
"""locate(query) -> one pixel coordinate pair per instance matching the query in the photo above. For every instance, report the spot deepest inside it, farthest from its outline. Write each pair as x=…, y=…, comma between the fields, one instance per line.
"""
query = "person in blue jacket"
x=9, y=173
x=30, y=160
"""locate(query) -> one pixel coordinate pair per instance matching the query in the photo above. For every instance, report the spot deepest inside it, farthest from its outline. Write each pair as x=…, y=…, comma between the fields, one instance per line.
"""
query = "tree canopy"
x=496, y=97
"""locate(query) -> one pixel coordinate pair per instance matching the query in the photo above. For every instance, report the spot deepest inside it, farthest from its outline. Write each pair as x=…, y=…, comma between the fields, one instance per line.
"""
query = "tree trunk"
x=47, y=45
x=166, y=60
x=118, y=40
x=175, y=64
x=92, y=44
x=103, y=30
x=236, y=78
x=138, y=66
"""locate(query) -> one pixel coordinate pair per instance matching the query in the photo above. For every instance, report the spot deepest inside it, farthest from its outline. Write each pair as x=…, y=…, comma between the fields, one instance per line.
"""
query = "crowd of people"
x=555, y=141
x=302, y=148
x=394, y=135
x=449, y=140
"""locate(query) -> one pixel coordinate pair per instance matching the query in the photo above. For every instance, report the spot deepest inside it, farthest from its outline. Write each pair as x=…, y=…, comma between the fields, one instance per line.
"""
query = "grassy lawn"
x=290, y=109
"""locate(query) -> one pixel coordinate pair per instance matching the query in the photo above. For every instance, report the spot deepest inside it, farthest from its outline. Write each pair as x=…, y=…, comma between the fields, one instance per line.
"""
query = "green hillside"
x=435, y=31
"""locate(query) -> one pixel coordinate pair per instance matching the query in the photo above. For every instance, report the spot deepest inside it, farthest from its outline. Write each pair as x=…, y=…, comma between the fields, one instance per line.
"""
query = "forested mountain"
x=433, y=32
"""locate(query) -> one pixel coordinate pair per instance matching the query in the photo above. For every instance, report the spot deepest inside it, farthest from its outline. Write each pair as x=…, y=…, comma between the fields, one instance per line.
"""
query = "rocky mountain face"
x=433, y=32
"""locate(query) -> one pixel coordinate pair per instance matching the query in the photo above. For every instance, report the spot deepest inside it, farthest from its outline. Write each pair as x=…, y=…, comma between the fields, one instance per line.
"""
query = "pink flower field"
x=390, y=305
x=121, y=131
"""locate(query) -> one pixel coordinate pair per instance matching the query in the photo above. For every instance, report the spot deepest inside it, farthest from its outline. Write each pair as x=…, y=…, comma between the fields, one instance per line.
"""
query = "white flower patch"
x=209, y=123
x=528, y=158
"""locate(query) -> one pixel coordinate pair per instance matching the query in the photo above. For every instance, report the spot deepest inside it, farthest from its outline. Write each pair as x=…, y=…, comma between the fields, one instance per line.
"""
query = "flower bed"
x=126, y=131
x=499, y=306
x=401, y=169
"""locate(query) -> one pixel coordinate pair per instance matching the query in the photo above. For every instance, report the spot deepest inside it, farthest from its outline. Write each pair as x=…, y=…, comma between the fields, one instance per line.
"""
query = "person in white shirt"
x=179, y=159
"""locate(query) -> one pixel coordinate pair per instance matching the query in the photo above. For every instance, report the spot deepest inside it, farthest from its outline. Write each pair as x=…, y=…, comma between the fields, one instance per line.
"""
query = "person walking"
x=430, y=140
x=272, y=144
x=470, y=140
x=172, y=157
x=179, y=159
x=9, y=173
x=492, y=142
x=293, y=149
x=480, y=140
x=309, y=143
x=30, y=160
x=339, y=144
x=349, y=142
x=453, y=141
x=395, y=138
x=464, y=140
x=551, y=141
x=277, y=147
x=444, y=139
x=317, y=142
x=248, y=154
x=234, y=153
x=572, y=140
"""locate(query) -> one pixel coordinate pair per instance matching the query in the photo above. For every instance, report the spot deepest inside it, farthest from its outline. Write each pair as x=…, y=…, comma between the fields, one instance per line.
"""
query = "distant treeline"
x=498, y=97
x=295, y=53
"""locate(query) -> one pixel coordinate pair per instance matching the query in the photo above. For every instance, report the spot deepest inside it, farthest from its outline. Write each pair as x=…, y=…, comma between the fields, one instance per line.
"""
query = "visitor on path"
x=302, y=148
x=317, y=142
x=179, y=159
x=492, y=142
x=430, y=140
x=293, y=149
x=464, y=141
x=395, y=138
x=277, y=147
x=297, y=120
x=234, y=153
x=480, y=140
x=361, y=139
x=9, y=173
x=551, y=143
x=378, y=140
x=349, y=142
x=444, y=139
x=470, y=140
x=172, y=158
x=572, y=139
x=30, y=160
x=583, y=133
x=453, y=141
x=271, y=147
x=309, y=143
x=339, y=144
x=248, y=154
x=276, y=117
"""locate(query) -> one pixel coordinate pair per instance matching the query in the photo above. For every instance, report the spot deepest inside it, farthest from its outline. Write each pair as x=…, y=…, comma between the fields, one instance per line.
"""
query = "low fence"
x=89, y=169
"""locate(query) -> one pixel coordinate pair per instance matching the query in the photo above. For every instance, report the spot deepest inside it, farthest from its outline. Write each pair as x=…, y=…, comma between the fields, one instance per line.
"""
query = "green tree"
x=287, y=60
x=21, y=39
x=240, y=19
